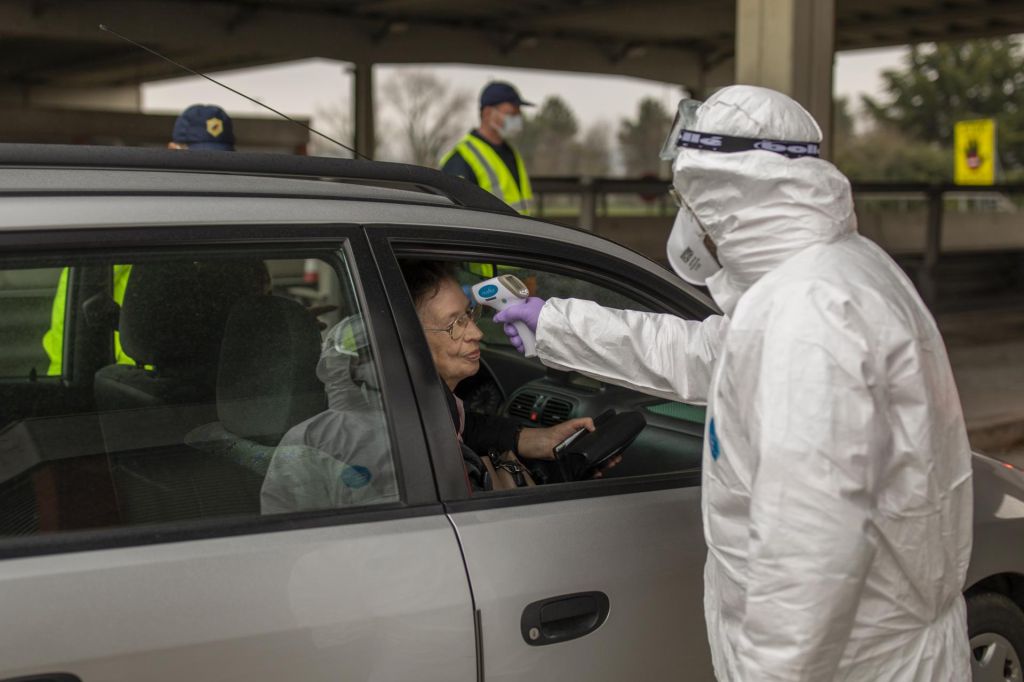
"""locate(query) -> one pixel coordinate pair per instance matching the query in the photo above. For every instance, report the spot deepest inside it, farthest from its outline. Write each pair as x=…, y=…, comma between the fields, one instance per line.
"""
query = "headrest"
x=266, y=379
x=161, y=317
x=175, y=312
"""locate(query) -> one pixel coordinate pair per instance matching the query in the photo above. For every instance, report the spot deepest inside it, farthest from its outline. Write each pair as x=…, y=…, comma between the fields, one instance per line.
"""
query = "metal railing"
x=592, y=196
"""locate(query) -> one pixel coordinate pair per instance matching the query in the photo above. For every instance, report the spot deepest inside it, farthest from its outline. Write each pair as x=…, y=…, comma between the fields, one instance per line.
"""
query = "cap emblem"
x=214, y=126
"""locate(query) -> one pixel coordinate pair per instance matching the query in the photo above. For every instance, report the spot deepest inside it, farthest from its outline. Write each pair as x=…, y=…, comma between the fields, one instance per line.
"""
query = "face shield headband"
x=682, y=136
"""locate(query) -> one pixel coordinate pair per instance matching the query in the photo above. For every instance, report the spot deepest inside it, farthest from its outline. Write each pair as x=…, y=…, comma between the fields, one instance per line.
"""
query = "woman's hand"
x=540, y=443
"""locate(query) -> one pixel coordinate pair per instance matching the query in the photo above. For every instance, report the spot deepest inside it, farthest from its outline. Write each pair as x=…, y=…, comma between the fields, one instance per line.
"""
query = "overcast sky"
x=308, y=86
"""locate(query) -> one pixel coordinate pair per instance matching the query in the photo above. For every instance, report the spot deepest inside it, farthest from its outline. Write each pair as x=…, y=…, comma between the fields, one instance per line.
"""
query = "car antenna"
x=107, y=29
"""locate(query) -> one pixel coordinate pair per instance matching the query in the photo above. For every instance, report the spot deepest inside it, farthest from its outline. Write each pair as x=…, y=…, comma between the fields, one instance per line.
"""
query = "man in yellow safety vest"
x=201, y=126
x=484, y=155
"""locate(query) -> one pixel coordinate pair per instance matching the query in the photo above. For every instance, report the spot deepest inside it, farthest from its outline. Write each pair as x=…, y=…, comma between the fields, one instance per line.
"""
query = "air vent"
x=555, y=411
x=522, y=405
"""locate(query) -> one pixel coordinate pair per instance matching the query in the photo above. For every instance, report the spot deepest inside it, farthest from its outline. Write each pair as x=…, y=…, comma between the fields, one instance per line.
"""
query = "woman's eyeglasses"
x=457, y=329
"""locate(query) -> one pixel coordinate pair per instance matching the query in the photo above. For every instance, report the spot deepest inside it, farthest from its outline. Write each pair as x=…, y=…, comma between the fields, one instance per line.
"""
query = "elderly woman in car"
x=343, y=457
x=449, y=323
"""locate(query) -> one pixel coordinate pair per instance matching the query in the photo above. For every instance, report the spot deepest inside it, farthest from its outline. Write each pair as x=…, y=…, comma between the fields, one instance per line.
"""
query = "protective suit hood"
x=760, y=207
x=342, y=456
x=345, y=368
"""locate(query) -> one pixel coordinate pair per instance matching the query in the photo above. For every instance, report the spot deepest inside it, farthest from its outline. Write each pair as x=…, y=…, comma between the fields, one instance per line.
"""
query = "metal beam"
x=673, y=42
x=298, y=33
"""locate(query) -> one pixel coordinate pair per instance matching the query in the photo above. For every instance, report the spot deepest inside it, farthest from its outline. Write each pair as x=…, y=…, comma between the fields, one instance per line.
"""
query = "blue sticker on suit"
x=716, y=448
x=356, y=476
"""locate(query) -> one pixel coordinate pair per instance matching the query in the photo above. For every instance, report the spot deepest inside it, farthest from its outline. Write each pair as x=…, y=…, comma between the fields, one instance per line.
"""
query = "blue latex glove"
x=527, y=312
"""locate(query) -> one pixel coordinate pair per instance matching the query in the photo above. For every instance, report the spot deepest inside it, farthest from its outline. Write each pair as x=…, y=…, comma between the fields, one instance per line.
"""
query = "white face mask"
x=512, y=125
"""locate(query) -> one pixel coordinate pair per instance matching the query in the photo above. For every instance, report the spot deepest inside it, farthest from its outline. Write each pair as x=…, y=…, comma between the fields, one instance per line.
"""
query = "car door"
x=595, y=580
x=136, y=539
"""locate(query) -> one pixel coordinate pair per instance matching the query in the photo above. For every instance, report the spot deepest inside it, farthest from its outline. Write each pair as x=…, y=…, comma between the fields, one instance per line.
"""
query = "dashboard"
x=672, y=441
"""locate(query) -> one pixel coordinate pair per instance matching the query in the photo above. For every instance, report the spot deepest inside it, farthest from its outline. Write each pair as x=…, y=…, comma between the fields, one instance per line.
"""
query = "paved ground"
x=986, y=350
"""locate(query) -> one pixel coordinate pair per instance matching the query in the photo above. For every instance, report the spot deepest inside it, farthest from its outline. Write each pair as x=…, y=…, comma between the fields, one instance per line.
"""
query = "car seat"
x=266, y=383
x=171, y=323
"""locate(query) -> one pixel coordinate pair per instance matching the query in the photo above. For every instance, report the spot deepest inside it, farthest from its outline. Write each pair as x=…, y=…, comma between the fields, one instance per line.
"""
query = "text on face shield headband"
x=710, y=142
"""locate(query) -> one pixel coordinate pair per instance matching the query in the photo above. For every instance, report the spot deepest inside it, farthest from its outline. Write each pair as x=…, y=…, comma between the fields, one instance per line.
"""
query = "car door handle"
x=565, y=617
x=45, y=677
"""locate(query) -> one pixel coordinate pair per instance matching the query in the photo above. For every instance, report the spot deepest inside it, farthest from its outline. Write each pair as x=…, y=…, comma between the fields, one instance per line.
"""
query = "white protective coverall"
x=342, y=456
x=837, y=494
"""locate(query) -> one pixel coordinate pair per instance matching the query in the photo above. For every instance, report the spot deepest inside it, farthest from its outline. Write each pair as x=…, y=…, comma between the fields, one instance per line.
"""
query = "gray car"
x=162, y=316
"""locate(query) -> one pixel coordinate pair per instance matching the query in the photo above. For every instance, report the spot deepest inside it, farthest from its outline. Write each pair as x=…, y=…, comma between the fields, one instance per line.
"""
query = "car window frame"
x=389, y=242
x=345, y=242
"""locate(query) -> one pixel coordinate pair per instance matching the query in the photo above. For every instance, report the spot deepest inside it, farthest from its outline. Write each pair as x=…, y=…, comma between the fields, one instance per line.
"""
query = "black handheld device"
x=598, y=420
x=585, y=451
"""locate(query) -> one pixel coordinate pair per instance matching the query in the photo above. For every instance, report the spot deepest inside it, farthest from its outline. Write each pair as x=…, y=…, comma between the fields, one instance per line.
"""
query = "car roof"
x=125, y=182
x=47, y=187
x=251, y=174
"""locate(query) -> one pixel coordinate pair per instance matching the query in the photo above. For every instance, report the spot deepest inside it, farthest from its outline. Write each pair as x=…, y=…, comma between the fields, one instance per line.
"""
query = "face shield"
x=686, y=249
x=685, y=134
x=686, y=117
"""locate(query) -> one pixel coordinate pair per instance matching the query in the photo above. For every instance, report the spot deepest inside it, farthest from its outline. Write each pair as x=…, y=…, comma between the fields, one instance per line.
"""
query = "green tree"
x=594, y=156
x=640, y=139
x=887, y=155
x=843, y=120
x=883, y=153
x=941, y=84
x=548, y=140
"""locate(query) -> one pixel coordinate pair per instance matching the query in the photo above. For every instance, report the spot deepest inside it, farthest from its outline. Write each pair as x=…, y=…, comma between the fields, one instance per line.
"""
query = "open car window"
x=522, y=389
x=545, y=284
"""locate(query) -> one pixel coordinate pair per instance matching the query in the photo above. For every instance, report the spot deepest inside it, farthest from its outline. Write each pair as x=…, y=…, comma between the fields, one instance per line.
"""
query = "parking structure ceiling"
x=52, y=43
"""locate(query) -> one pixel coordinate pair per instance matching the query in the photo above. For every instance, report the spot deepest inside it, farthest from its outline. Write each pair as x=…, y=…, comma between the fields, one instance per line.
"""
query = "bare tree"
x=548, y=140
x=641, y=138
x=427, y=113
x=334, y=121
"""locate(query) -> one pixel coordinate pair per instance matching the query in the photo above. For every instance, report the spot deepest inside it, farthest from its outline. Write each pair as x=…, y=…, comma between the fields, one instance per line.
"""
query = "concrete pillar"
x=588, y=204
x=362, y=103
x=789, y=45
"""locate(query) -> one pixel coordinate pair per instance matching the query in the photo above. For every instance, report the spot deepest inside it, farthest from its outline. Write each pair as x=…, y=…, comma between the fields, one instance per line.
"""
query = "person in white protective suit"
x=341, y=456
x=837, y=495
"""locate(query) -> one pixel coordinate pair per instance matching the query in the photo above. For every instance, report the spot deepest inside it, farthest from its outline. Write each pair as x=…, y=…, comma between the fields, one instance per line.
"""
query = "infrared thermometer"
x=501, y=292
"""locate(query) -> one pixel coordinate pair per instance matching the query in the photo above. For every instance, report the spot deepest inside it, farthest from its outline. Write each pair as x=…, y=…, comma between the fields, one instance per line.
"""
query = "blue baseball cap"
x=205, y=126
x=497, y=92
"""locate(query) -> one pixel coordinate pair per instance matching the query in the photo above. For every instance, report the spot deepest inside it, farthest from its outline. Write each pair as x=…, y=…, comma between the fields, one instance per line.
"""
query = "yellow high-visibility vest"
x=53, y=340
x=493, y=175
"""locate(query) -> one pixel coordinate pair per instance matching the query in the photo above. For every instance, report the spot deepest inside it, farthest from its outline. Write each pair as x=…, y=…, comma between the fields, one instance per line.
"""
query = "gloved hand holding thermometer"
x=519, y=318
x=502, y=293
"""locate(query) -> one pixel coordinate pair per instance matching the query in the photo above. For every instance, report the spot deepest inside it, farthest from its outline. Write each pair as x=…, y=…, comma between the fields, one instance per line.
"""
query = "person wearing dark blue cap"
x=484, y=155
x=203, y=126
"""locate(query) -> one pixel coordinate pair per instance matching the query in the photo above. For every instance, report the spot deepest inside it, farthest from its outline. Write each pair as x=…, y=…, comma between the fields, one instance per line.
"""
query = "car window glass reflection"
x=172, y=389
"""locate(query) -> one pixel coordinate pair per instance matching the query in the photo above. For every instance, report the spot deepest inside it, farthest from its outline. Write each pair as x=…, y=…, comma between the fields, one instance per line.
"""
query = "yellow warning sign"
x=974, y=144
